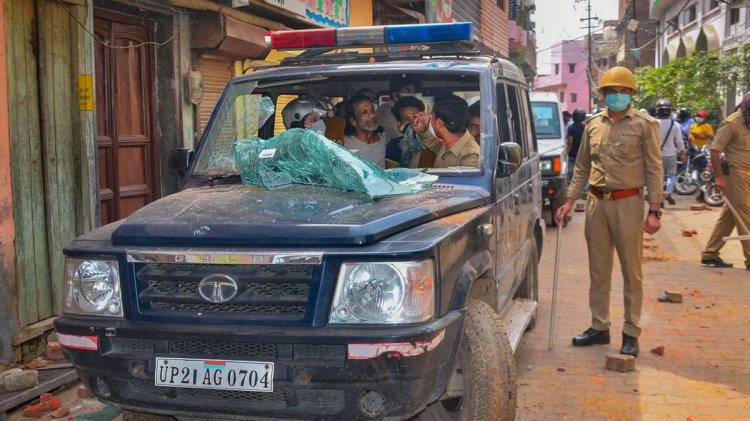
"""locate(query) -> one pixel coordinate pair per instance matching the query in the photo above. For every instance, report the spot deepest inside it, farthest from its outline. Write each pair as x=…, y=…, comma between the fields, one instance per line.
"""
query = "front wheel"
x=685, y=184
x=484, y=380
x=713, y=196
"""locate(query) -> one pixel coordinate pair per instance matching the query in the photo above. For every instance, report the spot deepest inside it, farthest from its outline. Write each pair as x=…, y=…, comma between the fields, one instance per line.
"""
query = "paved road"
x=705, y=371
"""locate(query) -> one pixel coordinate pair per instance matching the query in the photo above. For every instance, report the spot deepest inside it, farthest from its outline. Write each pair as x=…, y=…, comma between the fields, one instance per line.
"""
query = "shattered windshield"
x=347, y=132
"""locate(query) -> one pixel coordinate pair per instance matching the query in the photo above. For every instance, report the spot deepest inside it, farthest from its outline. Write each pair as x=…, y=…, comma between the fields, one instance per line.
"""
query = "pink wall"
x=570, y=84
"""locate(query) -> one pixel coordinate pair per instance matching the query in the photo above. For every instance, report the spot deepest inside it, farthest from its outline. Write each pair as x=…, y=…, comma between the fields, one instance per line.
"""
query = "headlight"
x=394, y=293
x=92, y=287
x=551, y=165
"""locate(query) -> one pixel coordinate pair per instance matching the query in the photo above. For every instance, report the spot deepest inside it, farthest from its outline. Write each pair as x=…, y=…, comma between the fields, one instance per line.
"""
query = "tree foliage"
x=700, y=81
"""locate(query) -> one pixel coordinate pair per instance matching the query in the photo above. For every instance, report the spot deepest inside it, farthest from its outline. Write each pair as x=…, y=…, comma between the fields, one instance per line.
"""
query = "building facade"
x=568, y=77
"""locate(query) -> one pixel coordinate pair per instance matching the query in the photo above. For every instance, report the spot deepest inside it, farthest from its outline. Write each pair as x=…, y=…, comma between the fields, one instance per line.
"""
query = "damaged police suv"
x=291, y=278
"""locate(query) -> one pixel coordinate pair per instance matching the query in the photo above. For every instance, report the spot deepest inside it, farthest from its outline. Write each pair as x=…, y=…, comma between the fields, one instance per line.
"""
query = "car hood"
x=293, y=215
x=550, y=147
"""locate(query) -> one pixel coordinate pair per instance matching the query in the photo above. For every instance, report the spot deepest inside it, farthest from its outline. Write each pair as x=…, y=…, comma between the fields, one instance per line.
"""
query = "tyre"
x=529, y=289
x=713, y=196
x=685, y=185
x=487, y=371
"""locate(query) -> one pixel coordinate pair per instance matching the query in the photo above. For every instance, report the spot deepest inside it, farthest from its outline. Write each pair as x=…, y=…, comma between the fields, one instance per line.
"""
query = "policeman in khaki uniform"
x=619, y=155
x=733, y=138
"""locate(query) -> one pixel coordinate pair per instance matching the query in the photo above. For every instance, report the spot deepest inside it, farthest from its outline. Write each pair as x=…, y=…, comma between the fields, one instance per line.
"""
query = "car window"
x=546, y=120
x=517, y=118
x=236, y=116
x=527, y=116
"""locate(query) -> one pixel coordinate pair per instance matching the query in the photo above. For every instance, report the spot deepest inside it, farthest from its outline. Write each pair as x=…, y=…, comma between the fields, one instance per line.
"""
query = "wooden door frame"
x=152, y=162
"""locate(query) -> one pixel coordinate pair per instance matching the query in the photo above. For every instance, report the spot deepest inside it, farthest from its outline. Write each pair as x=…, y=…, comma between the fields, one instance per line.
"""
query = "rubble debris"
x=84, y=393
x=561, y=369
x=620, y=363
x=24, y=379
x=697, y=293
x=37, y=363
x=689, y=233
x=54, y=351
x=60, y=413
x=47, y=402
x=12, y=371
x=702, y=207
x=670, y=297
x=659, y=350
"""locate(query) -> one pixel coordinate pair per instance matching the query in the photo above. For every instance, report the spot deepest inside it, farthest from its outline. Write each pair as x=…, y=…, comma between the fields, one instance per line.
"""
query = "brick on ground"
x=54, y=351
x=620, y=363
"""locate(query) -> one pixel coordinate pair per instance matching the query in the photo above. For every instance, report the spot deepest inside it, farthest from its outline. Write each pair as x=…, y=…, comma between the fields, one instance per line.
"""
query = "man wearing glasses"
x=619, y=155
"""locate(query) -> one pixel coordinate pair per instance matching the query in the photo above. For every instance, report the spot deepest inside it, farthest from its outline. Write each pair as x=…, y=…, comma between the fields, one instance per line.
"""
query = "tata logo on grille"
x=217, y=288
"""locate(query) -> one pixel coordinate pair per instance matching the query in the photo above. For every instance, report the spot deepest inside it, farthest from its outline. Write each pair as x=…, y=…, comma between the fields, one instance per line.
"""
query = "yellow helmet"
x=617, y=76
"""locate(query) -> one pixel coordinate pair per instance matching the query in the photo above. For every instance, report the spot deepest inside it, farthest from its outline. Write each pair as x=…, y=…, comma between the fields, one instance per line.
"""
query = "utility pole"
x=589, y=70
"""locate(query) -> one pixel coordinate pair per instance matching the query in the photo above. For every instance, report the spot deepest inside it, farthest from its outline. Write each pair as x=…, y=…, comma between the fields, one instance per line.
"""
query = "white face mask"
x=318, y=127
x=432, y=130
x=699, y=119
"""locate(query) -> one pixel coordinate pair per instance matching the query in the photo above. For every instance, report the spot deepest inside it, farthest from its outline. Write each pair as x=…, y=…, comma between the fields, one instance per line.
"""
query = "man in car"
x=363, y=133
x=400, y=86
x=443, y=131
x=474, y=126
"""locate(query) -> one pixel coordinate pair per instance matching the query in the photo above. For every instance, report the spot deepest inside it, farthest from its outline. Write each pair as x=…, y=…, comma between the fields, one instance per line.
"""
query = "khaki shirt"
x=464, y=153
x=733, y=138
x=620, y=155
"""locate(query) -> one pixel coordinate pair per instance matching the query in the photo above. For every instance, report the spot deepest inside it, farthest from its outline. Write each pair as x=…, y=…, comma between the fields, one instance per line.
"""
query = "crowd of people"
x=399, y=132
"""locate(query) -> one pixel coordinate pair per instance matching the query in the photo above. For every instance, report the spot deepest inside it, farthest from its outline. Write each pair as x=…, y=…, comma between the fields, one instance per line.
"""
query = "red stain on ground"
x=599, y=379
x=697, y=293
x=678, y=356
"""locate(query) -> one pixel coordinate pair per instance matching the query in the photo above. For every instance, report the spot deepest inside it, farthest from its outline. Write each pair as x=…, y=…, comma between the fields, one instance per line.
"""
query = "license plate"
x=251, y=376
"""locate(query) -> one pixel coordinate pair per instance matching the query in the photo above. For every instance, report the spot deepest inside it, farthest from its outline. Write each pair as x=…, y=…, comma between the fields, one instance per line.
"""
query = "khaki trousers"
x=738, y=192
x=615, y=225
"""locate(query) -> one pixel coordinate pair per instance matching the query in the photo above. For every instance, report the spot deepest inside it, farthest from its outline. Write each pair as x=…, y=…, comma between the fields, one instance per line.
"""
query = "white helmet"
x=299, y=108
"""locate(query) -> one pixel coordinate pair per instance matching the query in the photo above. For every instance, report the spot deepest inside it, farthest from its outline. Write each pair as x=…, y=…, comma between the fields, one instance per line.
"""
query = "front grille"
x=222, y=349
x=264, y=292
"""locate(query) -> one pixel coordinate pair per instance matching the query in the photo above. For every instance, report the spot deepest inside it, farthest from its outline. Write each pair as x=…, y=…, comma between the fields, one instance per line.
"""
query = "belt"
x=613, y=195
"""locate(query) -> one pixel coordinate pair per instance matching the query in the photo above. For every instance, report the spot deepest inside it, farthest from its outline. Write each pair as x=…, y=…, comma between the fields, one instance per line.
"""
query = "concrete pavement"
x=704, y=373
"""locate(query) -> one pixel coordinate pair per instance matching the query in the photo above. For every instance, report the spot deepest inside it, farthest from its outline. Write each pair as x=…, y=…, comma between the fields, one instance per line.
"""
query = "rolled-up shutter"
x=216, y=72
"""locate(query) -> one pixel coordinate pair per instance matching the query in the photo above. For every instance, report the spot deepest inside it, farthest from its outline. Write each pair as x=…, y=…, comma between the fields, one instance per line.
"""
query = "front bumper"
x=317, y=374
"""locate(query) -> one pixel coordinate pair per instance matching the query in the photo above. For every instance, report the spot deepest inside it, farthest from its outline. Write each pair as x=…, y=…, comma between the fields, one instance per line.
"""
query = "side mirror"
x=513, y=158
x=179, y=160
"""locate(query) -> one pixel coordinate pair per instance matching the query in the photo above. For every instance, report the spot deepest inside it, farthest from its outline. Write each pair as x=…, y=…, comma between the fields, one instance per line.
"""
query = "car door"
x=507, y=205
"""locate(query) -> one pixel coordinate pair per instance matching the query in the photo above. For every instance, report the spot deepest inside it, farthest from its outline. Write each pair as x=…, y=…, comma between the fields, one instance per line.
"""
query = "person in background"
x=406, y=148
x=363, y=133
x=701, y=133
x=444, y=132
x=671, y=145
x=732, y=138
x=685, y=121
x=368, y=93
x=567, y=119
x=573, y=139
x=619, y=155
x=474, y=126
x=401, y=85
x=304, y=113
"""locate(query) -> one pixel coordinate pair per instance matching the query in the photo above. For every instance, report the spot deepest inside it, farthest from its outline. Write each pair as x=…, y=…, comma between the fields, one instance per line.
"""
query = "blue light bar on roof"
x=371, y=36
x=429, y=33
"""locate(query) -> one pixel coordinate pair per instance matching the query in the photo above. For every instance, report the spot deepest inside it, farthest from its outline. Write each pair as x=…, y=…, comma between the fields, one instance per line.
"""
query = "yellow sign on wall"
x=85, y=92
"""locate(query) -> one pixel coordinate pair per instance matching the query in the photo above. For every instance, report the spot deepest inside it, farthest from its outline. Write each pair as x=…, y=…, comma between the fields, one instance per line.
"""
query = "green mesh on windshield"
x=304, y=157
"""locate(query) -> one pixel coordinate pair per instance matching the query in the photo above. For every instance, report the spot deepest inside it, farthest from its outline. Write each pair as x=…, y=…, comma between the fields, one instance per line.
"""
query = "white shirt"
x=673, y=144
x=375, y=152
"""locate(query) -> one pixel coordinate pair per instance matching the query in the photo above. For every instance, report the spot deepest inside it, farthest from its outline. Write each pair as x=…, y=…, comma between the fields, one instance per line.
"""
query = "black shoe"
x=591, y=337
x=671, y=200
x=716, y=262
x=629, y=345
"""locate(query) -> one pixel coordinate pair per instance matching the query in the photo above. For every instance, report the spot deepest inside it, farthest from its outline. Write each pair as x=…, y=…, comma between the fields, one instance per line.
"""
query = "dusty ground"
x=704, y=373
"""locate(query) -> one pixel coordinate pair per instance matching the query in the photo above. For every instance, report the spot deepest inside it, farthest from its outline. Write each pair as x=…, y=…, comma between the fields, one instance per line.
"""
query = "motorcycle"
x=696, y=174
